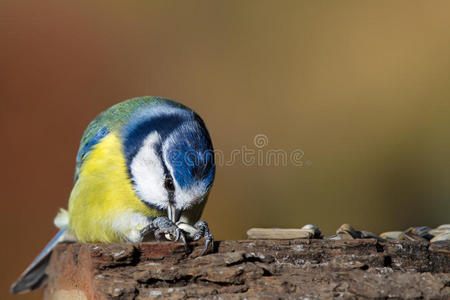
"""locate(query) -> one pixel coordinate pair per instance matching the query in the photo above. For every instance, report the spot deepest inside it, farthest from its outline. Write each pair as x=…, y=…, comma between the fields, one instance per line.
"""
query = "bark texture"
x=252, y=269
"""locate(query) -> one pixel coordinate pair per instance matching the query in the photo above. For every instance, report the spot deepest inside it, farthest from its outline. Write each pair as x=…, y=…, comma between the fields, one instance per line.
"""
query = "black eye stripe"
x=168, y=181
x=164, y=125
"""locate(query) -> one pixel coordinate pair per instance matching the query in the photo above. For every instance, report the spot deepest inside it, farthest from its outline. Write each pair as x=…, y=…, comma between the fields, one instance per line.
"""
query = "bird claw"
x=203, y=231
x=164, y=227
x=198, y=231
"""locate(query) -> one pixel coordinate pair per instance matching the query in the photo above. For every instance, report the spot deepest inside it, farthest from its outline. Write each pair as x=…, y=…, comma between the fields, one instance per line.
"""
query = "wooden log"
x=252, y=269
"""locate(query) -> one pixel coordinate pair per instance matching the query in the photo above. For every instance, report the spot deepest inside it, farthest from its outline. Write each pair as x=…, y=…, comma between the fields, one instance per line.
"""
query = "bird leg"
x=198, y=231
x=163, y=226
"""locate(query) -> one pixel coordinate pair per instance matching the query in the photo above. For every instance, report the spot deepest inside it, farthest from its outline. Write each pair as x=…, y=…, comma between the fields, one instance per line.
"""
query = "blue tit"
x=144, y=169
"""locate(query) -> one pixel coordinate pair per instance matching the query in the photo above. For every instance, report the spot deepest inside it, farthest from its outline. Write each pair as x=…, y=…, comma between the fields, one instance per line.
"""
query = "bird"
x=144, y=171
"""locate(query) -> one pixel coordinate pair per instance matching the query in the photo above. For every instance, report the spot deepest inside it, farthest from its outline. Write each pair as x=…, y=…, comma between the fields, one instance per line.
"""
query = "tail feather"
x=34, y=276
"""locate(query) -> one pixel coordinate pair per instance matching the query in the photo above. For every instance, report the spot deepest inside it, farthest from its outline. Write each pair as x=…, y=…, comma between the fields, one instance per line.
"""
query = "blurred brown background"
x=362, y=88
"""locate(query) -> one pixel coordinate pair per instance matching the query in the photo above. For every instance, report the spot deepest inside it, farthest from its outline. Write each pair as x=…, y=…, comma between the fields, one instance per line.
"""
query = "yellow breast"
x=103, y=194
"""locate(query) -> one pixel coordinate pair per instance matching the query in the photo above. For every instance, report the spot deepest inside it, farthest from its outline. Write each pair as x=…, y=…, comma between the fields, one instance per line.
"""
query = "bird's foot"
x=164, y=227
x=198, y=231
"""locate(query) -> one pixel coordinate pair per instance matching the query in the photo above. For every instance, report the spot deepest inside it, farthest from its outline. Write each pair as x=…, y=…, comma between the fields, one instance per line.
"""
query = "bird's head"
x=170, y=157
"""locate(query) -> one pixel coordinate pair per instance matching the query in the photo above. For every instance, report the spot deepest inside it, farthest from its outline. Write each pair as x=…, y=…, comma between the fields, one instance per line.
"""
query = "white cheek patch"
x=148, y=173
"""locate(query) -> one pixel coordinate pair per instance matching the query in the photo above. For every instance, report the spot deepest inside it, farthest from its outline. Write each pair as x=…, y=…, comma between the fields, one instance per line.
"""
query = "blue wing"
x=34, y=276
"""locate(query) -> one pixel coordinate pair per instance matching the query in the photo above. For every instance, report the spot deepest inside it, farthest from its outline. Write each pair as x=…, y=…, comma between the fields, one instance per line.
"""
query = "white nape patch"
x=130, y=224
x=184, y=197
x=148, y=173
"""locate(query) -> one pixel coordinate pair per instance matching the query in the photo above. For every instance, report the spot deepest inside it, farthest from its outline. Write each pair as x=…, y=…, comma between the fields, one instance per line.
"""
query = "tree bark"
x=259, y=269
